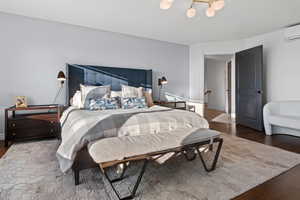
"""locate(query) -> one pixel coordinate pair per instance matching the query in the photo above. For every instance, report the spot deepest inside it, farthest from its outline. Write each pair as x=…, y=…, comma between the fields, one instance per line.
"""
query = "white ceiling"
x=239, y=19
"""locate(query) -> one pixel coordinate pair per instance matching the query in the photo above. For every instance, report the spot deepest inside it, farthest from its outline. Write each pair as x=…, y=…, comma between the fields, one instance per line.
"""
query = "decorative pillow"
x=128, y=91
x=93, y=92
x=76, y=100
x=116, y=94
x=148, y=97
x=104, y=103
x=133, y=102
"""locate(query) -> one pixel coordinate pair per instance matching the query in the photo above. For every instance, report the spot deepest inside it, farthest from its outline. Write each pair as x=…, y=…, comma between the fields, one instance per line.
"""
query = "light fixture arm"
x=209, y=2
x=201, y=1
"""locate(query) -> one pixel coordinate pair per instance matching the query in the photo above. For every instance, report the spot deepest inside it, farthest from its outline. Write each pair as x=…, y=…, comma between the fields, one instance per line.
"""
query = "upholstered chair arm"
x=267, y=112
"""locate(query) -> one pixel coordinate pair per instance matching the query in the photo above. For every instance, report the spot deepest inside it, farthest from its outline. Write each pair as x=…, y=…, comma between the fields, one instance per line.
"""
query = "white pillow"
x=76, y=100
x=128, y=91
x=89, y=91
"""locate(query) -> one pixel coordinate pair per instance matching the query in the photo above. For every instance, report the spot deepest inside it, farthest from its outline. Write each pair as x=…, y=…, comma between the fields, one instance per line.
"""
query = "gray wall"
x=33, y=51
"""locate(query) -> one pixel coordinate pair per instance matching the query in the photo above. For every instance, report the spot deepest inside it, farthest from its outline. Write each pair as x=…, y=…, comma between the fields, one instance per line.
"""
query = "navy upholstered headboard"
x=98, y=75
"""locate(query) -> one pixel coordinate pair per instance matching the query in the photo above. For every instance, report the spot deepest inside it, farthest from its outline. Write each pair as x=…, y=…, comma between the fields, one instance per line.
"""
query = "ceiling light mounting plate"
x=213, y=6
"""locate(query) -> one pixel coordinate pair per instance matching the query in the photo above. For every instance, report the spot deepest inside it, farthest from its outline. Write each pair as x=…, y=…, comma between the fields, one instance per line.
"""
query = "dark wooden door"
x=249, y=84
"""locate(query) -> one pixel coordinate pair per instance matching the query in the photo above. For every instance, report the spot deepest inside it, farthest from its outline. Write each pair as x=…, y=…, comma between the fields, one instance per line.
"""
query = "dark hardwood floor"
x=283, y=187
x=2, y=149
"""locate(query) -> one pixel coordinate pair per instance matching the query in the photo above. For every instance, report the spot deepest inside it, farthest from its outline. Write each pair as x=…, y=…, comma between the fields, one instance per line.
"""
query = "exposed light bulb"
x=166, y=4
x=191, y=12
x=218, y=4
x=210, y=12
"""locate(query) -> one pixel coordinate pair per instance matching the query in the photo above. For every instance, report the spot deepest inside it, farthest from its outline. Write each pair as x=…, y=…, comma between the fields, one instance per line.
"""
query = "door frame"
x=229, y=87
x=233, y=82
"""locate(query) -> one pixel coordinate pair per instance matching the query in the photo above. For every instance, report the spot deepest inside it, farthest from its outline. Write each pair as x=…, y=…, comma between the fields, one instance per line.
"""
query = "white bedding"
x=80, y=127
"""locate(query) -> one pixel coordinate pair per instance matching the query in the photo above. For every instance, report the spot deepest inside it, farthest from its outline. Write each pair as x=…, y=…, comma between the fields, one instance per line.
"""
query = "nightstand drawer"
x=30, y=123
x=33, y=133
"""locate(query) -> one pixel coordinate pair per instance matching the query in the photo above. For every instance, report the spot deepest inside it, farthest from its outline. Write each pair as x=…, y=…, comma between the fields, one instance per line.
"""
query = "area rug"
x=224, y=118
x=30, y=171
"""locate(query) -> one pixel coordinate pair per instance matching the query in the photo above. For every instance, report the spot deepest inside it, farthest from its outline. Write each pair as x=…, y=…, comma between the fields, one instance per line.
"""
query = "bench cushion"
x=285, y=121
x=118, y=148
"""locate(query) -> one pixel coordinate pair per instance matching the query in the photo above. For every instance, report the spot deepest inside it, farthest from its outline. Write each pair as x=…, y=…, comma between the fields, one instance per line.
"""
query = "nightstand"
x=32, y=122
x=172, y=104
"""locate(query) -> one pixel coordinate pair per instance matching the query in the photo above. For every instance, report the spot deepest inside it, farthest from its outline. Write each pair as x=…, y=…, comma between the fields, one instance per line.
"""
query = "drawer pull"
x=14, y=134
x=13, y=125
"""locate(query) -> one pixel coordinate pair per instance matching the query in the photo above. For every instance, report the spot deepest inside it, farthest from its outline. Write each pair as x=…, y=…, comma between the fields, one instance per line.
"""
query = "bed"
x=81, y=127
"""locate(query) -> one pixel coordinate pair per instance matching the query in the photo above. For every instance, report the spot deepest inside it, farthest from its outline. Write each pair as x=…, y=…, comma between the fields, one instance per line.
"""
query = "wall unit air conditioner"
x=292, y=33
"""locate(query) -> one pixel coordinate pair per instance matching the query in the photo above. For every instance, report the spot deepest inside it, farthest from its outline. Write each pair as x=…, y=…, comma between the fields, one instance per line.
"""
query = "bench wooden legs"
x=213, y=167
x=136, y=185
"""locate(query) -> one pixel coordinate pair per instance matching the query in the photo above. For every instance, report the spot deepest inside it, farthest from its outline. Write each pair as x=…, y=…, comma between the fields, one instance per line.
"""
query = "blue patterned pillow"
x=93, y=92
x=133, y=102
x=104, y=103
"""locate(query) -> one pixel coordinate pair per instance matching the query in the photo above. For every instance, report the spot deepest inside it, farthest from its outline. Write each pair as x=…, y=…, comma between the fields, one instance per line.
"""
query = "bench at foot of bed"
x=110, y=152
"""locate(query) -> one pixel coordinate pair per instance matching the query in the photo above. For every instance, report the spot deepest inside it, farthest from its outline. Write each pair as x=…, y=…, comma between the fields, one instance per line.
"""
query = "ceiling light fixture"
x=213, y=6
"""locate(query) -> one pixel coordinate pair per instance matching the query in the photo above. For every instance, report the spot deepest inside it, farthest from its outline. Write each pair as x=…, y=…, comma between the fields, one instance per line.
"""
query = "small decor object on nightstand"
x=21, y=102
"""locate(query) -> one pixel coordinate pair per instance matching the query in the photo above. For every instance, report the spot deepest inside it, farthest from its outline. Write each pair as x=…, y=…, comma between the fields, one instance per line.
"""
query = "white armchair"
x=282, y=117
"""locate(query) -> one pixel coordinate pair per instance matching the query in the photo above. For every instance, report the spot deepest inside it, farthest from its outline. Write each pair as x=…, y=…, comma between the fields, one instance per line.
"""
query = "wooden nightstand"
x=172, y=104
x=33, y=122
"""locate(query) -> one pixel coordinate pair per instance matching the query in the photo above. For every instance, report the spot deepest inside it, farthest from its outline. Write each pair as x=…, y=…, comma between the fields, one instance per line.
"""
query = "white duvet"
x=80, y=127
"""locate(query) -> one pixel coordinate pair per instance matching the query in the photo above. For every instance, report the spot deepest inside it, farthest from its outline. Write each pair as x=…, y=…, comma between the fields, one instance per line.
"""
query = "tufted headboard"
x=99, y=75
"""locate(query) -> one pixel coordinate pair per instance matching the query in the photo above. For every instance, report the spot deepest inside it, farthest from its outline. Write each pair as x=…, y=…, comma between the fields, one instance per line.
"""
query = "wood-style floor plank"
x=2, y=149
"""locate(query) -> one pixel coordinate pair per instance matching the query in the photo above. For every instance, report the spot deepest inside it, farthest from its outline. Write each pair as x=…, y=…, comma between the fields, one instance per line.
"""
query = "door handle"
x=259, y=91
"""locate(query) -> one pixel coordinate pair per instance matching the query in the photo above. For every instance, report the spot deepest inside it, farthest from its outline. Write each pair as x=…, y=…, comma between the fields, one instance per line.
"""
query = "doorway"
x=218, y=87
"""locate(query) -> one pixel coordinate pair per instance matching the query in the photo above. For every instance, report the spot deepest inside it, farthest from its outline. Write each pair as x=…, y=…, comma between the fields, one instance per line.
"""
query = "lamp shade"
x=61, y=76
x=166, y=4
x=191, y=12
x=162, y=81
x=218, y=5
x=210, y=12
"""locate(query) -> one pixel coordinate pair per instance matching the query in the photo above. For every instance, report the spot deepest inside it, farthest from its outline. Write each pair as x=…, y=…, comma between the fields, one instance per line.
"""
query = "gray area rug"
x=224, y=118
x=30, y=171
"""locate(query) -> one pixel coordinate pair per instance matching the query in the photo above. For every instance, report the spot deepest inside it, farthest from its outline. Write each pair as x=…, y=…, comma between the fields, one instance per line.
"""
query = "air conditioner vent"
x=292, y=33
